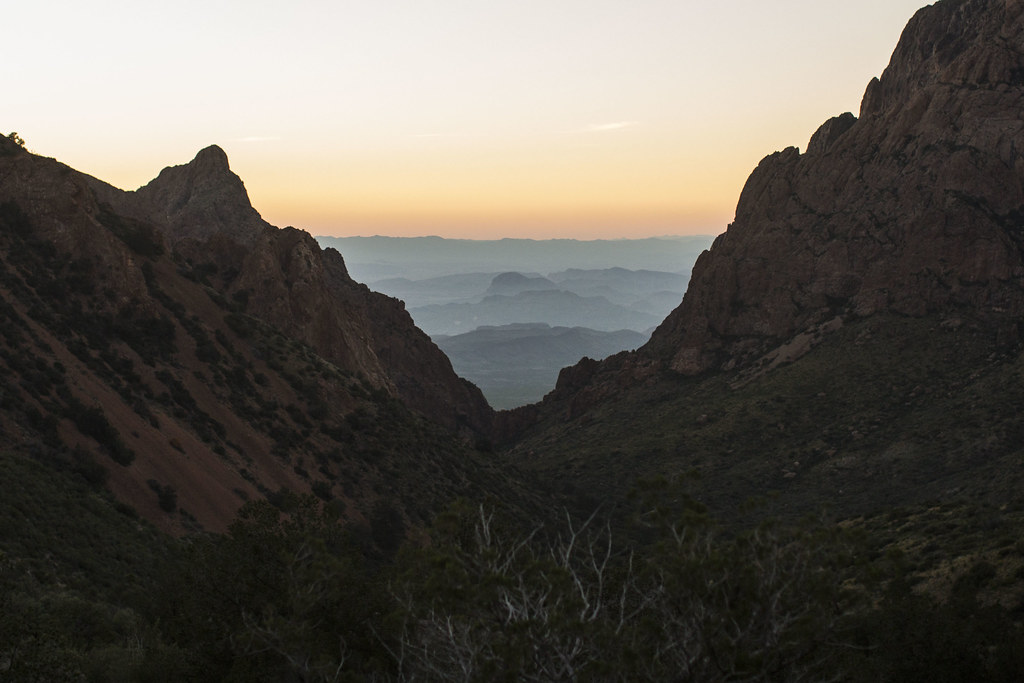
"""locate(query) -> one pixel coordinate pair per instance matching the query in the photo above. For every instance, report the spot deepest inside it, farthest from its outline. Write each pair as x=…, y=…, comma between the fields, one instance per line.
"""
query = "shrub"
x=92, y=422
x=85, y=465
x=168, y=498
x=322, y=490
x=14, y=220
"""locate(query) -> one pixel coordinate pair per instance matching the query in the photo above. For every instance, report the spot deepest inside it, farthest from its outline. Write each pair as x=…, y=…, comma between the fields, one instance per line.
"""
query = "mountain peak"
x=202, y=198
x=954, y=42
x=914, y=207
x=212, y=159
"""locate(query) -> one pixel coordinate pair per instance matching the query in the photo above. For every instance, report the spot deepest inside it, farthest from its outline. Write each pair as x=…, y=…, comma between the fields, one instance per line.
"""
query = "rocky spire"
x=202, y=198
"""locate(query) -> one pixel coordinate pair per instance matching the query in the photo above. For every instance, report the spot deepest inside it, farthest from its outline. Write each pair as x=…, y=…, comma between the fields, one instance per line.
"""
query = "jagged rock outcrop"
x=189, y=368
x=917, y=206
x=287, y=280
x=200, y=199
x=914, y=207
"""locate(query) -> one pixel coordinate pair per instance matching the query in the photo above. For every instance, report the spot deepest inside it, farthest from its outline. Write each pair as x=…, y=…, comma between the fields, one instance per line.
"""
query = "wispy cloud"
x=606, y=127
x=442, y=135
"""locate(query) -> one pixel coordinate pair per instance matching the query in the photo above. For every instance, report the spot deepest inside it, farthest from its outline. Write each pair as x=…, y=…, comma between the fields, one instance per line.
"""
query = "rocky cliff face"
x=173, y=346
x=914, y=207
x=199, y=200
x=286, y=279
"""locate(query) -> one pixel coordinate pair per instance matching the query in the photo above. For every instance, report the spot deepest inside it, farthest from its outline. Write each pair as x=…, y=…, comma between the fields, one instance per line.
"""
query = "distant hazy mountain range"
x=610, y=299
x=454, y=286
x=370, y=259
x=517, y=364
x=511, y=313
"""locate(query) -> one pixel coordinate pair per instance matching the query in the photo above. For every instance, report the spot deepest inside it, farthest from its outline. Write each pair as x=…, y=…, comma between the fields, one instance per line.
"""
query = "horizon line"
x=521, y=239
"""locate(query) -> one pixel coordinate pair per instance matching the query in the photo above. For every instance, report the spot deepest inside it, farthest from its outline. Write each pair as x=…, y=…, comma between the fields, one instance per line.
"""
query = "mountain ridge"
x=916, y=207
x=378, y=258
x=214, y=365
x=290, y=282
x=876, y=219
x=812, y=472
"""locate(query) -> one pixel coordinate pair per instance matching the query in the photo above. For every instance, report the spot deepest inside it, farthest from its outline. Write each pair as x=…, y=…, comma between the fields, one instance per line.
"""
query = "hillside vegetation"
x=223, y=459
x=138, y=366
x=886, y=410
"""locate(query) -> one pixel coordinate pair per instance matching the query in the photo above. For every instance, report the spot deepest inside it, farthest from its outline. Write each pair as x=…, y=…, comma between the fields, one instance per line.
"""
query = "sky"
x=587, y=119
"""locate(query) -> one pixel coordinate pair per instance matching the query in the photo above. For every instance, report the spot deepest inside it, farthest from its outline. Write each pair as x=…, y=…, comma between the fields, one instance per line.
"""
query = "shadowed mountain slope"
x=286, y=279
x=891, y=251
x=202, y=357
x=915, y=207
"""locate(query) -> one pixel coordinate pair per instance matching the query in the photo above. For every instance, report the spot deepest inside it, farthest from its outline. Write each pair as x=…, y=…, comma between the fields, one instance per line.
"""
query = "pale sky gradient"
x=460, y=118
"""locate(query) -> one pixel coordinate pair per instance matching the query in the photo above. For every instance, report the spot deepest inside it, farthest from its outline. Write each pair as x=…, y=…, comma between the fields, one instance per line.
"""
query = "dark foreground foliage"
x=89, y=592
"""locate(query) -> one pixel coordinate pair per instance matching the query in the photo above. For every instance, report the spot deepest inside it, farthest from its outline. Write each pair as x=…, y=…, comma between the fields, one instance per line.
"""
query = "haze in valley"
x=510, y=314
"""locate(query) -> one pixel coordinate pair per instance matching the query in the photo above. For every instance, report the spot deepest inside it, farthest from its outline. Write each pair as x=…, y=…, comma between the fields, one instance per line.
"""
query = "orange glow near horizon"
x=632, y=180
x=495, y=225
x=580, y=118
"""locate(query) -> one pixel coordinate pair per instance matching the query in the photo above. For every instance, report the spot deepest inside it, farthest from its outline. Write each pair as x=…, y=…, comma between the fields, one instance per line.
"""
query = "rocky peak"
x=200, y=199
x=956, y=42
x=916, y=207
x=211, y=160
x=217, y=370
x=830, y=131
x=288, y=281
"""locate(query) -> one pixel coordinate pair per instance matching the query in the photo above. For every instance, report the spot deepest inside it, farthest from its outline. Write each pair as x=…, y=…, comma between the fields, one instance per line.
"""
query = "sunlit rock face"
x=916, y=206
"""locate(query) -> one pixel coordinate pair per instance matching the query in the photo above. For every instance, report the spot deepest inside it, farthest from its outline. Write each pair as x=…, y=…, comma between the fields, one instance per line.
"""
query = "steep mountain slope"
x=915, y=207
x=202, y=357
x=285, y=279
x=884, y=268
